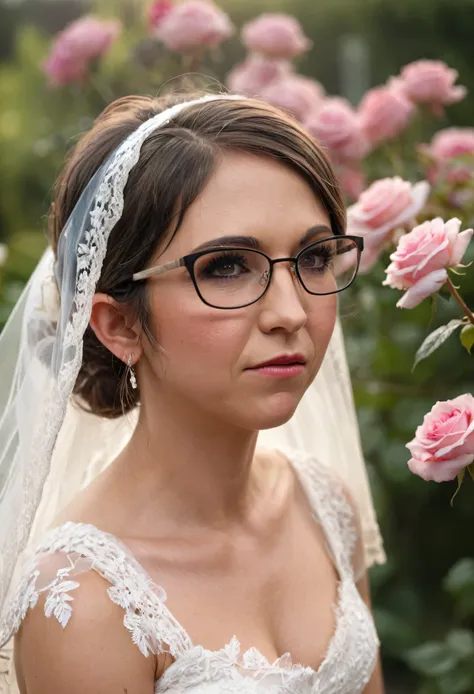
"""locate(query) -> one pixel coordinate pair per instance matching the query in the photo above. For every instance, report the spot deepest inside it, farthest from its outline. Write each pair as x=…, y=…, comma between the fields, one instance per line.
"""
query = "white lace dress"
x=349, y=660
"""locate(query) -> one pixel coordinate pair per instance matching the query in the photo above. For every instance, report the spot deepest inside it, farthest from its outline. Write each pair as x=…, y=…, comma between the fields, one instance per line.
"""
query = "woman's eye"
x=227, y=270
x=225, y=267
x=313, y=261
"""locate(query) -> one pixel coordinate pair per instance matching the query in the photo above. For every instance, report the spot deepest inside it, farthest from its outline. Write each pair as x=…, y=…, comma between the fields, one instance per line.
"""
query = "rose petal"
x=439, y=472
x=460, y=246
x=423, y=288
x=436, y=257
x=356, y=219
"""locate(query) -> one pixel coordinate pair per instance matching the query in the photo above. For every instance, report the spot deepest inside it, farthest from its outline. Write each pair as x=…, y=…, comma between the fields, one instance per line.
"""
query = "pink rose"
x=422, y=256
x=158, y=11
x=295, y=94
x=275, y=35
x=76, y=46
x=255, y=74
x=353, y=181
x=447, y=144
x=336, y=126
x=386, y=205
x=193, y=25
x=444, y=444
x=384, y=113
x=431, y=82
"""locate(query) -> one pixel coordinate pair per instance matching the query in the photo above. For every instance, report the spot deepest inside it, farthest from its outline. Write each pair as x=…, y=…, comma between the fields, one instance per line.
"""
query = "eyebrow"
x=251, y=242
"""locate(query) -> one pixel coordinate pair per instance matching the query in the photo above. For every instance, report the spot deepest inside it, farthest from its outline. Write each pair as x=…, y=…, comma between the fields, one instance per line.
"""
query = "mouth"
x=283, y=366
x=283, y=360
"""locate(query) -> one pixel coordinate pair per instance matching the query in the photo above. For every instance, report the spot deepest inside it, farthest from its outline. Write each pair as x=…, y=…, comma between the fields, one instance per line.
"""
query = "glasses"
x=232, y=278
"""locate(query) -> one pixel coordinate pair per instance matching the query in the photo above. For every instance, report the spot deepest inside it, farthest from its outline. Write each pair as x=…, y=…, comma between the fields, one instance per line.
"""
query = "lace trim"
x=327, y=497
x=231, y=665
x=151, y=625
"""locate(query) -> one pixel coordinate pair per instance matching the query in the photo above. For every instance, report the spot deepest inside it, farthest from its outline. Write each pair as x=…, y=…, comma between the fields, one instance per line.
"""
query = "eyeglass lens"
x=230, y=278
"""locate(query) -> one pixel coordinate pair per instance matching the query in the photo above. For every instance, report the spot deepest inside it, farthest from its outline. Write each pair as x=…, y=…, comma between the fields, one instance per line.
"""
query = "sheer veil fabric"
x=50, y=449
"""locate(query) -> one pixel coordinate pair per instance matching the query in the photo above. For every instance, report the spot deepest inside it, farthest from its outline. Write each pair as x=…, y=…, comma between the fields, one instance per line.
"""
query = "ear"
x=116, y=326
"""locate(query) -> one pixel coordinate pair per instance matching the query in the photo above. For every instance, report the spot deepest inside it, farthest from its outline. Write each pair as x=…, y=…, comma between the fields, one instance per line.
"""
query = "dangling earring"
x=131, y=372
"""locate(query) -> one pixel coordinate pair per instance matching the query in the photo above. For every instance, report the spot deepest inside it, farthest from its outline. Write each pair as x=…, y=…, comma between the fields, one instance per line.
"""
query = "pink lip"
x=284, y=366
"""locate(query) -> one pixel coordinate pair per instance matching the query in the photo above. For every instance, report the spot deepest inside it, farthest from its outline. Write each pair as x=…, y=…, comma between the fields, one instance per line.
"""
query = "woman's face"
x=208, y=355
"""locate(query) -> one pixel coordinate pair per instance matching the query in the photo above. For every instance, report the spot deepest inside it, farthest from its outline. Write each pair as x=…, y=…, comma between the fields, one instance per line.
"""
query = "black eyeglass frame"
x=188, y=261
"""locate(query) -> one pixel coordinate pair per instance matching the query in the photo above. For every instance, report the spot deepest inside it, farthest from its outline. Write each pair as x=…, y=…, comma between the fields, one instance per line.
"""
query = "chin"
x=275, y=412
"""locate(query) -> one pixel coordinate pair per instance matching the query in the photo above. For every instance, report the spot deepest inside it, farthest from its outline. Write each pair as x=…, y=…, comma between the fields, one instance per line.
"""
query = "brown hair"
x=175, y=162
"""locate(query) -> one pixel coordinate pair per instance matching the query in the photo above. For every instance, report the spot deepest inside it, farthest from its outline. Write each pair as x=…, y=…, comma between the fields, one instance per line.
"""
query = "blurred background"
x=424, y=595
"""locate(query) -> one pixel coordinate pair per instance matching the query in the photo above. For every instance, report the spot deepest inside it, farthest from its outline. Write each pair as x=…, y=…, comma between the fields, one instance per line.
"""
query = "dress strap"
x=153, y=628
x=332, y=507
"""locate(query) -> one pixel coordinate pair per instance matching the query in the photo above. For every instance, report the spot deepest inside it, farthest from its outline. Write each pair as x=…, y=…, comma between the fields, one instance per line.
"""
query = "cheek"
x=321, y=320
x=195, y=336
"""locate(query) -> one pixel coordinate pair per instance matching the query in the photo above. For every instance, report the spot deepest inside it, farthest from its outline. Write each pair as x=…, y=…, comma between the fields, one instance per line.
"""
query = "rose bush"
x=391, y=401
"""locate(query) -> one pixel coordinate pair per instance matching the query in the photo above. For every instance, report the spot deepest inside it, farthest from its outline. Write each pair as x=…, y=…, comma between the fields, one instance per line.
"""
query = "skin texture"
x=228, y=533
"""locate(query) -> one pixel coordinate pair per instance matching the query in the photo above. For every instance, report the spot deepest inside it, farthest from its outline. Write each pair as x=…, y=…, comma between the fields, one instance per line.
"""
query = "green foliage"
x=436, y=339
x=467, y=337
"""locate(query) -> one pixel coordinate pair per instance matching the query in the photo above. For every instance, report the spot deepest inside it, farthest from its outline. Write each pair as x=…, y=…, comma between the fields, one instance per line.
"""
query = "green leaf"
x=397, y=635
x=436, y=339
x=432, y=659
x=467, y=337
x=459, y=583
x=460, y=577
x=460, y=479
x=457, y=682
x=461, y=642
x=471, y=470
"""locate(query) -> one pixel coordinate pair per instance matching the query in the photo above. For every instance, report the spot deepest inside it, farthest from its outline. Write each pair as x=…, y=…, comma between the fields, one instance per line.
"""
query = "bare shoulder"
x=93, y=652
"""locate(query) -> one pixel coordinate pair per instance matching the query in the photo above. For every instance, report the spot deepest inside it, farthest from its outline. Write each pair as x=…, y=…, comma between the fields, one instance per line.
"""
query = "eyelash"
x=217, y=262
x=324, y=253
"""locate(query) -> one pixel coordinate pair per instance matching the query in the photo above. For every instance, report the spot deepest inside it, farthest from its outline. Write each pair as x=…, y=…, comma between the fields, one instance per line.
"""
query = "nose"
x=282, y=307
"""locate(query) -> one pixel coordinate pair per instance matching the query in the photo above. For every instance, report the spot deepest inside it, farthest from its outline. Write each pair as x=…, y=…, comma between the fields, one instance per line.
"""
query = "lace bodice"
x=349, y=660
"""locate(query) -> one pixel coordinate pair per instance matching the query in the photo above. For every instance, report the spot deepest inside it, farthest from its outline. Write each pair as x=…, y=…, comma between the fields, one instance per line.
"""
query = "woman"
x=213, y=308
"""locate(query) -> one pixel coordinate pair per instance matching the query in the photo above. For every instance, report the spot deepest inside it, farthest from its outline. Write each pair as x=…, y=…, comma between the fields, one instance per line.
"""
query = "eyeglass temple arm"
x=158, y=270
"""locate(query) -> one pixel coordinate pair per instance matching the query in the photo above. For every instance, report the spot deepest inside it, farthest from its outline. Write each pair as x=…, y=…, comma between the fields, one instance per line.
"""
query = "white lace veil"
x=49, y=448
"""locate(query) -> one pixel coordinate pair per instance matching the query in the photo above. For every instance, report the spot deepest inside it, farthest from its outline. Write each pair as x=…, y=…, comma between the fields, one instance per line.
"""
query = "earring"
x=132, y=377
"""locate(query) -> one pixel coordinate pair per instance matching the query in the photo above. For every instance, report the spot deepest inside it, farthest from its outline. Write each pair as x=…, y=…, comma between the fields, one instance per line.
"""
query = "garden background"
x=424, y=595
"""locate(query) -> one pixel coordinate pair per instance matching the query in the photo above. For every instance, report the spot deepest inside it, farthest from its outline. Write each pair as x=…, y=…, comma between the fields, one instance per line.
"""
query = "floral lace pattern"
x=351, y=654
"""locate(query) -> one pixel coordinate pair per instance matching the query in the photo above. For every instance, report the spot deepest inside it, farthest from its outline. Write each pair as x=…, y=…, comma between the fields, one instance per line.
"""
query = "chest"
x=276, y=593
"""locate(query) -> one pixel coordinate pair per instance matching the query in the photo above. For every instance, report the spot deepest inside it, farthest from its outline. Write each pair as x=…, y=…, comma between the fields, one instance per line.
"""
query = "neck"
x=184, y=464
